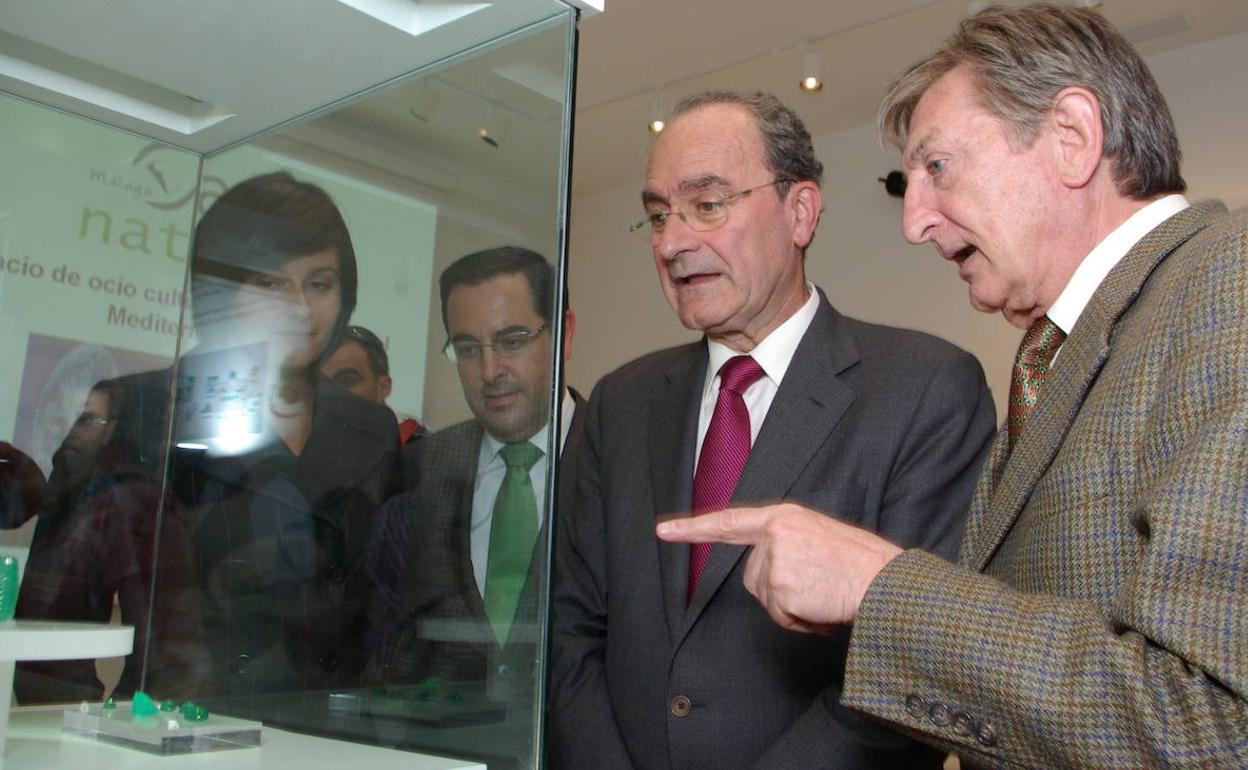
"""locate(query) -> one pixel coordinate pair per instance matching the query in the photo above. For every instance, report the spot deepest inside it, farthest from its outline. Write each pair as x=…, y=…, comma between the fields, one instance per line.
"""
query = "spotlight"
x=812, y=67
x=895, y=184
x=656, y=124
x=494, y=131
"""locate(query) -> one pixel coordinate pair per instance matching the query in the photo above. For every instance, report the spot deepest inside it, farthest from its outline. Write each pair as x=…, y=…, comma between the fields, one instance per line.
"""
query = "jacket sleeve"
x=582, y=730
x=924, y=506
x=1118, y=655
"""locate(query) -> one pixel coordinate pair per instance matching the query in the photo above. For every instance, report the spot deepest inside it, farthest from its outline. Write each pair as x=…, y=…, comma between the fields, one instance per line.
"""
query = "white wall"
x=859, y=257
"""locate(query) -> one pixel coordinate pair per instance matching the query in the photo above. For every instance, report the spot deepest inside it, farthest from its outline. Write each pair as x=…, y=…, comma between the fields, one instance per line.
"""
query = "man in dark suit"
x=455, y=599
x=1098, y=614
x=661, y=659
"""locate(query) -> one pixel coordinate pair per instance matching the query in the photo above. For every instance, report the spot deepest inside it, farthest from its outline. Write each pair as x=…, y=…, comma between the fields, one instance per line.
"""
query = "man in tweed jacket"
x=1099, y=614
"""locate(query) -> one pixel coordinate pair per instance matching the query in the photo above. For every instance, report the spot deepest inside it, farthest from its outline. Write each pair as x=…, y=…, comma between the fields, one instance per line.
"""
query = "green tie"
x=513, y=532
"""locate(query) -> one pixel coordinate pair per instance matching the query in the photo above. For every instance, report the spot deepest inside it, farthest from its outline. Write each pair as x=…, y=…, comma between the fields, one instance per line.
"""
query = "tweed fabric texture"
x=1031, y=364
x=724, y=452
x=1100, y=614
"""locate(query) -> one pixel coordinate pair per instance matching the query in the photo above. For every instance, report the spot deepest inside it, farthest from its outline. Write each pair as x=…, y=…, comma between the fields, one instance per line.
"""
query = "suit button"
x=963, y=724
x=986, y=735
x=242, y=664
x=916, y=706
x=681, y=706
x=939, y=714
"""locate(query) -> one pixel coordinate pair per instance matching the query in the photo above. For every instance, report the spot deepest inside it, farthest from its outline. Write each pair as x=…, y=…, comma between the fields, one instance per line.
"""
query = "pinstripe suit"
x=1100, y=615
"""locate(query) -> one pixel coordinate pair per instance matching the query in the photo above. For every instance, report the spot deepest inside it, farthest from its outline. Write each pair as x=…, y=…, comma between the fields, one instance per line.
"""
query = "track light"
x=495, y=130
x=656, y=124
x=812, y=72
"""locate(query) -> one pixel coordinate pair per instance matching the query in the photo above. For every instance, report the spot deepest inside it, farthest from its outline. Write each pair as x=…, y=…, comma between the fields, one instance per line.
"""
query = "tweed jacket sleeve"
x=1099, y=617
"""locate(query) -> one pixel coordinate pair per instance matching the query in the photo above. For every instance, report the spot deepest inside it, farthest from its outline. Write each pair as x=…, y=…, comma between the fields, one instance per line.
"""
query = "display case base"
x=154, y=734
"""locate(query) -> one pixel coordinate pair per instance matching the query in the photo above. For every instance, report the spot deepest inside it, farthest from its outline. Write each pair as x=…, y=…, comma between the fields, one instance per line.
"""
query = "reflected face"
x=987, y=205
x=745, y=276
x=296, y=307
x=509, y=392
x=93, y=429
x=350, y=368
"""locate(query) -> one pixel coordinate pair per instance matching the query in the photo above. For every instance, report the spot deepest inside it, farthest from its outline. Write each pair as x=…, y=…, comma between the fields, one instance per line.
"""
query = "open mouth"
x=962, y=254
x=694, y=280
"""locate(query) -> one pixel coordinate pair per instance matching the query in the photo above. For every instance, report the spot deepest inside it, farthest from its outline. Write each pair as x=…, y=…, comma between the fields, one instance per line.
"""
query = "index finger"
x=735, y=526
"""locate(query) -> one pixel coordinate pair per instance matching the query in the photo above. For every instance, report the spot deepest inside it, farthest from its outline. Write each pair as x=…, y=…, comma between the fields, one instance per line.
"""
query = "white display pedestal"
x=53, y=640
x=36, y=742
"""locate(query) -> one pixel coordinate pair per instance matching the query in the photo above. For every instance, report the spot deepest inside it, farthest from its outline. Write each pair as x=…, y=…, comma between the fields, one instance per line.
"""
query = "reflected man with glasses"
x=661, y=658
x=459, y=585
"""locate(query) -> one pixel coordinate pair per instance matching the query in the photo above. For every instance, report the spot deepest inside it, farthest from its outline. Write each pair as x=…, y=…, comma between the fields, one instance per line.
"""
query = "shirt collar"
x=775, y=352
x=1092, y=270
x=490, y=447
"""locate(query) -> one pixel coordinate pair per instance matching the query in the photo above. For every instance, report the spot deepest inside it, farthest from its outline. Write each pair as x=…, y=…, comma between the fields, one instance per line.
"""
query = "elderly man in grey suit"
x=1098, y=615
x=661, y=659
x=461, y=559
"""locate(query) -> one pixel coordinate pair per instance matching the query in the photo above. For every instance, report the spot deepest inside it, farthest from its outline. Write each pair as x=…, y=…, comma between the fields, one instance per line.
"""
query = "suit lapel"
x=810, y=402
x=674, y=429
x=1080, y=361
x=461, y=479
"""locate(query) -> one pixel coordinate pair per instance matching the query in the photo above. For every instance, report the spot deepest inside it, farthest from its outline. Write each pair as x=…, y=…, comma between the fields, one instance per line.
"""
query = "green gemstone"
x=143, y=705
x=110, y=704
x=168, y=705
x=198, y=714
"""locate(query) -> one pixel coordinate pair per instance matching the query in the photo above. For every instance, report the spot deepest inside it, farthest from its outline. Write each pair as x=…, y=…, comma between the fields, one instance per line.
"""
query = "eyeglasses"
x=705, y=211
x=91, y=420
x=508, y=344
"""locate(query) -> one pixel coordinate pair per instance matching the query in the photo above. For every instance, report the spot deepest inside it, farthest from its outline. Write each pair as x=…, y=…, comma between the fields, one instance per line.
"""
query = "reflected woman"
x=279, y=469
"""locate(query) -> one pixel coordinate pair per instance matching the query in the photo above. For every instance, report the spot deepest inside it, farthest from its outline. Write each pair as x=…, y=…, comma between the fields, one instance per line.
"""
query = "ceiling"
x=205, y=75
x=640, y=47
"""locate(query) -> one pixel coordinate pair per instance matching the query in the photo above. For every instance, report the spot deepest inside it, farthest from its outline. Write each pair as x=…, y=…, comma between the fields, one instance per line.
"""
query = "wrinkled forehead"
x=715, y=145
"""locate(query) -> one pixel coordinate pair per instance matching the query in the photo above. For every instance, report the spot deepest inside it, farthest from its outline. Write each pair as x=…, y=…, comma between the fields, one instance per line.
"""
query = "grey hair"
x=790, y=152
x=1021, y=58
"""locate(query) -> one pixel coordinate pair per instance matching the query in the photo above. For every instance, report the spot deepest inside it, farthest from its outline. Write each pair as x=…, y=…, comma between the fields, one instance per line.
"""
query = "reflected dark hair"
x=264, y=221
x=372, y=345
x=479, y=267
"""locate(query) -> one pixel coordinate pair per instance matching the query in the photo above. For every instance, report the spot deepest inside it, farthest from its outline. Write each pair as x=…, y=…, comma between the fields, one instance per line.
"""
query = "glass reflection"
x=243, y=482
x=279, y=469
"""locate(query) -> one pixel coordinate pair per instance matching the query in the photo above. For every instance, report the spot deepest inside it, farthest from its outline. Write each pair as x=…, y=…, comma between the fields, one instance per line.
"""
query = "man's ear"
x=1078, y=135
x=569, y=329
x=805, y=204
x=384, y=385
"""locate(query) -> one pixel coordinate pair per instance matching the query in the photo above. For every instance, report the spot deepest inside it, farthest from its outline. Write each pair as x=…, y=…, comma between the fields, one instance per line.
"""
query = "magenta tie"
x=724, y=452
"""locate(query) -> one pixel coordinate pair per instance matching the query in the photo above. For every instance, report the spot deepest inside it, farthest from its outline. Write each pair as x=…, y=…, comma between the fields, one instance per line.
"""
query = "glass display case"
x=281, y=301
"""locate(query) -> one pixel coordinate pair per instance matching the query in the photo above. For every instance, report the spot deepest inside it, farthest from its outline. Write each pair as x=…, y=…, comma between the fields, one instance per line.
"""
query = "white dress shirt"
x=490, y=472
x=1069, y=305
x=773, y=354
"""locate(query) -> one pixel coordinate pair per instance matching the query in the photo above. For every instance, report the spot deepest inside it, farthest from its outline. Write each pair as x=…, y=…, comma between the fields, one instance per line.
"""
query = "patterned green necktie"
x=1031, y=365
x=513, y=532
